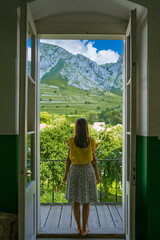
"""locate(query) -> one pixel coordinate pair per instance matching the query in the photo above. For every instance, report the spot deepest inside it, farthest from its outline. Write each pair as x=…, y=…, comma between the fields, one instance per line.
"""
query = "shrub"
x=53, y=146
x=87, y=102
x=45, y=117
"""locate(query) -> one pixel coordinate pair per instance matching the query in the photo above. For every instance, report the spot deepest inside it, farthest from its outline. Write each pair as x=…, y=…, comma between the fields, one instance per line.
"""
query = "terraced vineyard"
x=62, y=99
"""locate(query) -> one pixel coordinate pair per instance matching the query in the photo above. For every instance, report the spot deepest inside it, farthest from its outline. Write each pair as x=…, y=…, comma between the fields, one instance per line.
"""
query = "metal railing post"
x=53, y=184
x=105, y=180
x=103, y=194
x=42, y=174
x=116, y=181
x=100, y=184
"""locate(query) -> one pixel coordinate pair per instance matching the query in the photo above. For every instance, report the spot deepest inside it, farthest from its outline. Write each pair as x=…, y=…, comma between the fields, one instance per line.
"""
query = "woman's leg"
x=85, y=215
x=76, y=210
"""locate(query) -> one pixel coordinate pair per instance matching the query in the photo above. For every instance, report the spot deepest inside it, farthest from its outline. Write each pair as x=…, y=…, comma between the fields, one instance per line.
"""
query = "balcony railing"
x=52, y=188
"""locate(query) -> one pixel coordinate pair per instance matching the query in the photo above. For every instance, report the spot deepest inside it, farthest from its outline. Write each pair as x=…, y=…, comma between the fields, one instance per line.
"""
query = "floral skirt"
x=81, y=184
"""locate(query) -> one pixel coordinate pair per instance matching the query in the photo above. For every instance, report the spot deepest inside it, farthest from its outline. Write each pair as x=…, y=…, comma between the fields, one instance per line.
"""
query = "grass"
x=70, y=100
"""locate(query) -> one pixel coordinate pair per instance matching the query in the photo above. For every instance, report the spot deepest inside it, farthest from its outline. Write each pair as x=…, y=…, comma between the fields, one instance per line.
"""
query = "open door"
x=130, y=126
x=28, y=125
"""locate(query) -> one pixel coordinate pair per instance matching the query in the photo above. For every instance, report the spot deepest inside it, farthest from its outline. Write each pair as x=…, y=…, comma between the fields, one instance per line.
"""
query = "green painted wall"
x=141, y=188
x=9, y=173
x=147, y=188
x=153, y=188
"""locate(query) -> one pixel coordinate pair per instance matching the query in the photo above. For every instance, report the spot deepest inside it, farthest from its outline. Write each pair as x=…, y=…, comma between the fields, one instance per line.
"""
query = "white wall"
x=153, y=117
x=143, y=3
x=8, y=93
x=154, y=67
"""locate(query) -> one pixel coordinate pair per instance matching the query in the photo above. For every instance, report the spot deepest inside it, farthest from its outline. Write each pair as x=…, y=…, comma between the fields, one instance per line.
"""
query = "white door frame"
x=28, y=117
x=38, y=210
x=124, y=158
x=102, y=37
x=129, y=131
x=21, y=166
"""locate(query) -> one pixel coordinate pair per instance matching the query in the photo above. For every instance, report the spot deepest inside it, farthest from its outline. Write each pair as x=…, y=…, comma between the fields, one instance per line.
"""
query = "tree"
x=110, y=147
x=112, y=117
x=53, y=146
x=92, y=117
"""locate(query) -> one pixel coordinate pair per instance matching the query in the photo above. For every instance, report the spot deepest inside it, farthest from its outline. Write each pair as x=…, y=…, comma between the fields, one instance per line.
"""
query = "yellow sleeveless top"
x=81, y=155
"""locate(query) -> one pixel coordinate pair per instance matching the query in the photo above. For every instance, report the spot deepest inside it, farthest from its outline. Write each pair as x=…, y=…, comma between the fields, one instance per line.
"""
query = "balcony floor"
x=104, y=219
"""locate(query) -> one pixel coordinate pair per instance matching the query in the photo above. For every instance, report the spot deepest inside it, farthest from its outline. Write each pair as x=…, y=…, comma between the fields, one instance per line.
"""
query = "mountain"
x=107, y=65
x=57, y=64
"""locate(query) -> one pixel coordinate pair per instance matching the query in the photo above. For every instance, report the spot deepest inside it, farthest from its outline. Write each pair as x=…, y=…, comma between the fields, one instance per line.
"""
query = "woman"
x=81, y=180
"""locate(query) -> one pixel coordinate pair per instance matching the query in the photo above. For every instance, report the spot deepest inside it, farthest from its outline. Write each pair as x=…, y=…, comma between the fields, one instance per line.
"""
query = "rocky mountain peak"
x=79, y=71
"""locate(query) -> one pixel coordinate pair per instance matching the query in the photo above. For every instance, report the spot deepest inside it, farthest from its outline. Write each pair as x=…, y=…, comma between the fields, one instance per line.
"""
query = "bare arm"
x=68, y=163
x=95, y=166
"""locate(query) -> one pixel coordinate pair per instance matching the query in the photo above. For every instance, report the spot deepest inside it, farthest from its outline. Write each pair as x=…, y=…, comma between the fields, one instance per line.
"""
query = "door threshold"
x=75, y=235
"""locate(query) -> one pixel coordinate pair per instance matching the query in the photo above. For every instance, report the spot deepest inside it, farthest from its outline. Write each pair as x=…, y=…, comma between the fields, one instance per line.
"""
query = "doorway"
x=81, y=86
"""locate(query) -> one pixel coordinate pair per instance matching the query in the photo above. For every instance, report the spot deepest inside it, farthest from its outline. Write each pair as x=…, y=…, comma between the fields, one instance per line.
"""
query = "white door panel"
x=31, y=211
x=130, y=126
x=27, y=125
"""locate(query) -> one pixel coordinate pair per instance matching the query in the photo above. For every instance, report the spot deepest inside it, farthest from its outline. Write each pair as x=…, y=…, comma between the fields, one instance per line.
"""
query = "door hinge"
x=134, y=173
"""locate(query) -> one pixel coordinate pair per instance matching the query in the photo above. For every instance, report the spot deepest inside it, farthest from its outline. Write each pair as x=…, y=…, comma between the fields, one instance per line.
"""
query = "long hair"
x=81, y=133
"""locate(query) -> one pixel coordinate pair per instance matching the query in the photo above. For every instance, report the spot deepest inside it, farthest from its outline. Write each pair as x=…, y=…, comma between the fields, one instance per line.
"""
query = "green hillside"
x=107, y=65
x=60, y=98
x=54, y=72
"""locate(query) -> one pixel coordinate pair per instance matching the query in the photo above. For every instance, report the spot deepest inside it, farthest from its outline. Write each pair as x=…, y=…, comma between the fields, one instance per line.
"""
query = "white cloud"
x=73, y=46
x=87, y=49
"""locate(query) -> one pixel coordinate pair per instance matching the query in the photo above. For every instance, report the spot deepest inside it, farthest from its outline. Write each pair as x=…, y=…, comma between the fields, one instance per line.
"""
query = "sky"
x=100, y=51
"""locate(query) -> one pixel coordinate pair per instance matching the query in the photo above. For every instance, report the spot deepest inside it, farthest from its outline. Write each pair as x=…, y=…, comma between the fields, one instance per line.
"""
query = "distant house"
x=98, y=126
x=43, y=125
